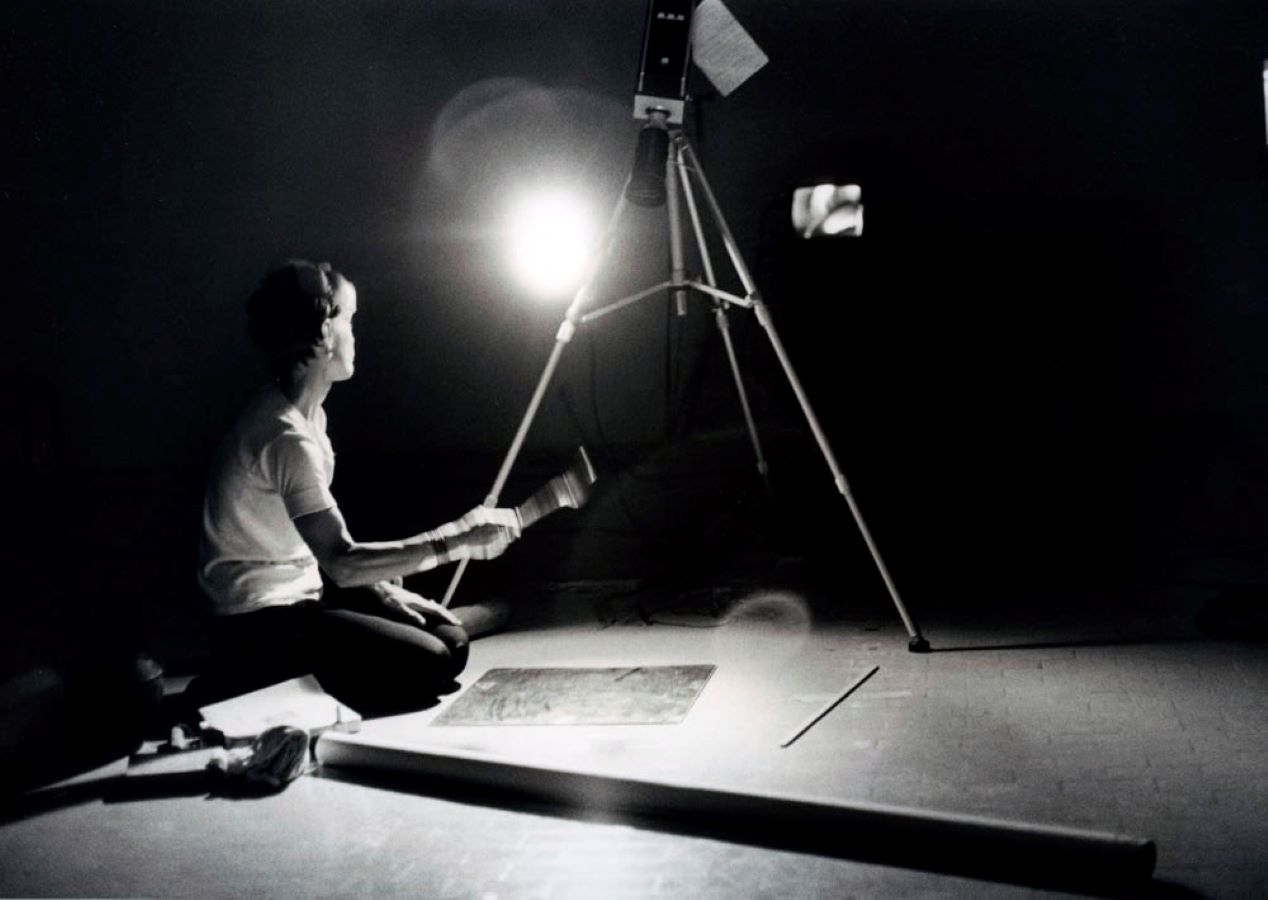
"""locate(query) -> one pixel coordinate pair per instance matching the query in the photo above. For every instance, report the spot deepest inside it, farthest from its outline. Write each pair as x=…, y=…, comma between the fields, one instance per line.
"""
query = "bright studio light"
x=552, y=235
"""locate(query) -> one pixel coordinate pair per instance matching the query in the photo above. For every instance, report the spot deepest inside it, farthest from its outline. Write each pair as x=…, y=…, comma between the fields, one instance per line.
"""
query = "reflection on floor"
x=1085, y=708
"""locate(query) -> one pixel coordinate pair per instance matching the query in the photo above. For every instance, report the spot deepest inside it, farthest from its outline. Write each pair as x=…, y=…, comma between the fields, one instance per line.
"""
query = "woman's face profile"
x=343, y=344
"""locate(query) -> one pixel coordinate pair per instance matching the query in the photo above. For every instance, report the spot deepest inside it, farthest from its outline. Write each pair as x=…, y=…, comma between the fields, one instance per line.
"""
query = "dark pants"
x=375, y=665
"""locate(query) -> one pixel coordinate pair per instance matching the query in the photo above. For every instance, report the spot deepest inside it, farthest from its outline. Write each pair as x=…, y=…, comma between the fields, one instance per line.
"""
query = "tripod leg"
x=917, y=643
x=561, y=341
x=566, y=330
x=677, y=269
x=724, y=328
x=719, y=316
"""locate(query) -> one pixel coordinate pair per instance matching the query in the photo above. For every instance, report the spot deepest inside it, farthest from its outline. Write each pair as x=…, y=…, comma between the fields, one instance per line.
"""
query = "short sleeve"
x=294, y=466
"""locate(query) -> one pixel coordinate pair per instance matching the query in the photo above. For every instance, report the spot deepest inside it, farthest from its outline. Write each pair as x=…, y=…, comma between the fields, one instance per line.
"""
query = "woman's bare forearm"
x=367, y=563
x=355, y=563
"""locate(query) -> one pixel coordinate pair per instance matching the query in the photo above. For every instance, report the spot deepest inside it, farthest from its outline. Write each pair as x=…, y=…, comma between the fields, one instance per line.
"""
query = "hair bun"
x=314, y=279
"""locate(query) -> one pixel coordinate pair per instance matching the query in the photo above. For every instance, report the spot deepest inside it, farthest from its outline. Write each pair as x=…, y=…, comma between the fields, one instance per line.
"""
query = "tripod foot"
x=918, y=644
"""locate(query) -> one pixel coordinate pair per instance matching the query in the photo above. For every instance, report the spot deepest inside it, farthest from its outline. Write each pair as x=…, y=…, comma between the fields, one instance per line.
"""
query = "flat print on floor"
x=626, y=695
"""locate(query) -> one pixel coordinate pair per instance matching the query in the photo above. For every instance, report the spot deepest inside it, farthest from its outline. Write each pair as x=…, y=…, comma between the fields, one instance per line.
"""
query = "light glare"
x=551, y=238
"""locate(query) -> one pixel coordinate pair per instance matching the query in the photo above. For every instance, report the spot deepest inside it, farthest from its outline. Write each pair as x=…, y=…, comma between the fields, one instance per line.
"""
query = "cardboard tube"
x=975, y=846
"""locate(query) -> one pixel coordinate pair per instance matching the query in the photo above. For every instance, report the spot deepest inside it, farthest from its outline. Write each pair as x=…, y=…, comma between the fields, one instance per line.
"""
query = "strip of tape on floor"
x=975, y=846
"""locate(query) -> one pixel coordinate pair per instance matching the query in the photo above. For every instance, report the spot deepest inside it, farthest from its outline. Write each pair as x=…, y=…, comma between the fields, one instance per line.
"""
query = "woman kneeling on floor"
x=271, y=527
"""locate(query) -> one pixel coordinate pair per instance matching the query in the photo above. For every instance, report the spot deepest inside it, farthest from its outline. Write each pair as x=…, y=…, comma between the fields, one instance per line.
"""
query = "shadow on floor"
x=1061, y=645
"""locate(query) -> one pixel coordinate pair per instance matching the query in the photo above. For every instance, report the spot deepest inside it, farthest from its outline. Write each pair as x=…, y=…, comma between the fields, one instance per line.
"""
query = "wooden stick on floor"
x=827, y=709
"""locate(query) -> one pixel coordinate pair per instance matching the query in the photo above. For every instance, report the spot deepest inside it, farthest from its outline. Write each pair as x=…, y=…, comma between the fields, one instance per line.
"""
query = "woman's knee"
x=397, y=681
x=389, y=661
x=458, y=644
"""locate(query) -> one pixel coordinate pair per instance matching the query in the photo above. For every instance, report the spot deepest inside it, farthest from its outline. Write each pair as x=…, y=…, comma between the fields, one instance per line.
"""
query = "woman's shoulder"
x=267, y=416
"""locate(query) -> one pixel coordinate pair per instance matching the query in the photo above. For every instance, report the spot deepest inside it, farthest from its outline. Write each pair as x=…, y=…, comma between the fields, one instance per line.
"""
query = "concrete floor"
x=1105, y=710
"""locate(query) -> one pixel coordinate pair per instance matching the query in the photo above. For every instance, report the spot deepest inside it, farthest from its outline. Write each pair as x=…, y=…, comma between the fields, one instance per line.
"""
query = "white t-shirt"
x=273, y=466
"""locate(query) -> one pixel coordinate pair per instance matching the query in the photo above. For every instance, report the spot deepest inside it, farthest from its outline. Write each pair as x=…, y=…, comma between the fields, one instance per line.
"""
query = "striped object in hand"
x=570, y=489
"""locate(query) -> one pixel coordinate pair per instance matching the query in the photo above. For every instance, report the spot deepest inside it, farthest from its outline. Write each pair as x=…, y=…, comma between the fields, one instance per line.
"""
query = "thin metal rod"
x=494, y=492
x=728, y=239
x=720, y=318
x=566, y=330
x=746, y=302
x=677, y=269
x=623, y=302
x=615, y=305
x=706, y=260
x=809, y=723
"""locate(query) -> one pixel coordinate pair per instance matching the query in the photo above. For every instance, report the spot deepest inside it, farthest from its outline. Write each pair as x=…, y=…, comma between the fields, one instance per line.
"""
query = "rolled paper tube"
x=974, y=846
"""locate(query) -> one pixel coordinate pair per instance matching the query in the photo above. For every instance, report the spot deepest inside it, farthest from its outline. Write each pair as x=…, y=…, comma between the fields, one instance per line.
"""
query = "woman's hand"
x=482, y=542
x=404, y=605
x=502, y=516
x=475, y=518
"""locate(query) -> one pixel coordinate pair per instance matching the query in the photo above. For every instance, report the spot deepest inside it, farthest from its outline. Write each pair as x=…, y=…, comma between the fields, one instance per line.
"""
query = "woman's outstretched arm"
x=349, y=563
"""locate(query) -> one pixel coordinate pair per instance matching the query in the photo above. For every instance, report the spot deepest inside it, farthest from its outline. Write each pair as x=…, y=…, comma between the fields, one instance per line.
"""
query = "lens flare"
x=552, y=234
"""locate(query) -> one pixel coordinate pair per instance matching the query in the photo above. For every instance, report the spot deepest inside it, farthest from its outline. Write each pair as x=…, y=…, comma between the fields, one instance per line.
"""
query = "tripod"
x=681, y=167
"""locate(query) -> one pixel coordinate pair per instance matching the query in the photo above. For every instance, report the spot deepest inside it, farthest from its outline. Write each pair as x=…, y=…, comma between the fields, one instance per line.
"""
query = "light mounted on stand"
x=668, y=171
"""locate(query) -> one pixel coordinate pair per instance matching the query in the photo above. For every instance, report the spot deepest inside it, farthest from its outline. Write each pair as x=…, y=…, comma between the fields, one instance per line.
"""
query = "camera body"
x=662, y=69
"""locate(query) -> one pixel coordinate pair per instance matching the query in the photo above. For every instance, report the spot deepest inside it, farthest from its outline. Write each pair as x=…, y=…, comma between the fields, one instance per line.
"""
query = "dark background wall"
x=1042, y=362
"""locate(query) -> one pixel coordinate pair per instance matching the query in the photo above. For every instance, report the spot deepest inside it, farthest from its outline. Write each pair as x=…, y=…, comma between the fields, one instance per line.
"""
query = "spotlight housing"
x=646, y=186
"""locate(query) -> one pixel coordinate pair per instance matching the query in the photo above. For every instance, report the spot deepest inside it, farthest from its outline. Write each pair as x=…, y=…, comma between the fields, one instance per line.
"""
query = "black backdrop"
x=1043, y=360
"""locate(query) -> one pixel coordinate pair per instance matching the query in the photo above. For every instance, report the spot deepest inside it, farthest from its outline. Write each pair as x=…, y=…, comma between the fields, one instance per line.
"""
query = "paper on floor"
x=300, y=702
